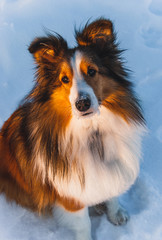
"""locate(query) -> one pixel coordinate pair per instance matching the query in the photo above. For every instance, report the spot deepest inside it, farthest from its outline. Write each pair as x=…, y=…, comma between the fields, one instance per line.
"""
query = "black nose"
x=83, y=103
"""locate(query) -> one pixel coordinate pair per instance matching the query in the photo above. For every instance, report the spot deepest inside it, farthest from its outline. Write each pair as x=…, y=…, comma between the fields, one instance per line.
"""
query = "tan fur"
x=14, y=183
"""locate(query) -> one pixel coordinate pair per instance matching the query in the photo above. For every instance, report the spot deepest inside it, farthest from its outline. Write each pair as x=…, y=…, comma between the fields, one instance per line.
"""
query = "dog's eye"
x=91, y=72
x=65, y=79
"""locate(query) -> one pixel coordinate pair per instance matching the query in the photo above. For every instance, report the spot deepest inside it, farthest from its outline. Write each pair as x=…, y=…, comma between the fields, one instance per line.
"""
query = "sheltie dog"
x=74, y=141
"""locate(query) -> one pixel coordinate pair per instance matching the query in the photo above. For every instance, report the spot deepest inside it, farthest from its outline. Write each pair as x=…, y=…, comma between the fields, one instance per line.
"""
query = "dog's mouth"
x=90, y=114
x=86, y=114
x=92, y=111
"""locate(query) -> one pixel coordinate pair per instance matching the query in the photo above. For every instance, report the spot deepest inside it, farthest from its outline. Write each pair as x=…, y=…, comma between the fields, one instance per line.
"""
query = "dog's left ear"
x=47, y=49
x=96, y=32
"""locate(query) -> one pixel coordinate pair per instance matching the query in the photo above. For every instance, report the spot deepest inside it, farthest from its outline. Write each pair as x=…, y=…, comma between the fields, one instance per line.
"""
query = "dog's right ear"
x=97, y=32
x=46, y=49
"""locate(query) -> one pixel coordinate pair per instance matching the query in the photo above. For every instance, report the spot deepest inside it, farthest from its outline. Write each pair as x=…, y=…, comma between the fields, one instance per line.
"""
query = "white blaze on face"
x=79, y=85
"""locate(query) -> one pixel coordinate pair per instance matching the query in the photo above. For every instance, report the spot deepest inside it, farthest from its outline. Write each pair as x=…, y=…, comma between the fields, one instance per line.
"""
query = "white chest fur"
x=107, y=149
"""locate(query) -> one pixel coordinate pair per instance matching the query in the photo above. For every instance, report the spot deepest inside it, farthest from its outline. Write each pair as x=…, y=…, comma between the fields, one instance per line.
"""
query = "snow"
x=139, y=27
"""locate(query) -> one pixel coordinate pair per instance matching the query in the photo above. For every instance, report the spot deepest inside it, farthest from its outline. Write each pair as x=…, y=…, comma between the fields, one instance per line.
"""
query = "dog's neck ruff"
x=103, y=152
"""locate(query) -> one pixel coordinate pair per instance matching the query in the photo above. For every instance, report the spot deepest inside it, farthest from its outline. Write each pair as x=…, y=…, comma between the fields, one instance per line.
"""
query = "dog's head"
x=78, y=80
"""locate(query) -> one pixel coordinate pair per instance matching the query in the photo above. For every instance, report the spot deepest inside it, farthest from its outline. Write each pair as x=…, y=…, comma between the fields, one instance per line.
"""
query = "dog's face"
x=77, y=81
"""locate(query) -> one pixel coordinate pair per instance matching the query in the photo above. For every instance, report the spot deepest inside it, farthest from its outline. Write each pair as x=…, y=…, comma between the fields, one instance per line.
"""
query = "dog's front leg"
x=78, y=222
x=116, y=214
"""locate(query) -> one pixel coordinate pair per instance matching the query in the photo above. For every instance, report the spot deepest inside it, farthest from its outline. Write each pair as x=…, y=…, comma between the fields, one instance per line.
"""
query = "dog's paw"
x=121, y=217
x=100, y=208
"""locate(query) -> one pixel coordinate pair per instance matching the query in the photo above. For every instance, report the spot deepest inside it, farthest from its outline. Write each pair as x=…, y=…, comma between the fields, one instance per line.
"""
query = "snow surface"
x=139, y=27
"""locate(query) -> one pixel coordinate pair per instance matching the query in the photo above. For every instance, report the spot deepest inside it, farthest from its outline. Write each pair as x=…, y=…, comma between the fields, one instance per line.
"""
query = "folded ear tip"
x=98, y=29
x=103, y=21
x=30, y=49
x=35, y=45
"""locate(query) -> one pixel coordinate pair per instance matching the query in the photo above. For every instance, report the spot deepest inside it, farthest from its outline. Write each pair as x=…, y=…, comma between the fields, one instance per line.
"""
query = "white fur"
x=78, y=222
x=79, y=85
x=104, y=178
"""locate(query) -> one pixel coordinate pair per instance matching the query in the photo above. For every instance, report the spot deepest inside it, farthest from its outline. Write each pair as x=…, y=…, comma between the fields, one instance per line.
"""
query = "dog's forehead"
x=76, y=60
x=80, y=61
